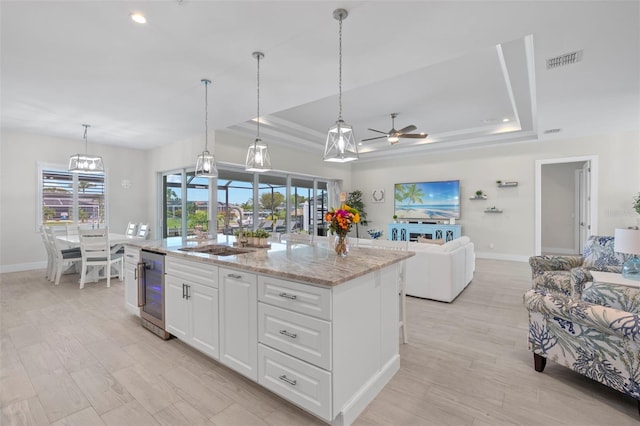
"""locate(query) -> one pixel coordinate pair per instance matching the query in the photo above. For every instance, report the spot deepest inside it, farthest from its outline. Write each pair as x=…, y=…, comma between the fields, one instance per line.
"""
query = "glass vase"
x=341, y=245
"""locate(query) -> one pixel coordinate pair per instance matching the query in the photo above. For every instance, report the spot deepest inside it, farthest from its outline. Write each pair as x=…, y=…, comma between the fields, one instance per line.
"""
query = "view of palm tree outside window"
x=72, y=198
x=235, y=195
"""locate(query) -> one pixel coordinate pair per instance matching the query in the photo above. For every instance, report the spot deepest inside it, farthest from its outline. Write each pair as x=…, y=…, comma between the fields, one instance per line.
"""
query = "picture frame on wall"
x=377, y=196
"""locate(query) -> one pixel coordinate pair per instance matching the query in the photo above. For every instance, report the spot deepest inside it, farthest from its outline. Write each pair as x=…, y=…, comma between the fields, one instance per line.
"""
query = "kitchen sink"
x=217, y=250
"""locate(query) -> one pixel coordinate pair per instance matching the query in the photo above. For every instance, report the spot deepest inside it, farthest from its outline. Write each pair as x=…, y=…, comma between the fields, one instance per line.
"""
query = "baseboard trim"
x=502, y=256
x=20, y=267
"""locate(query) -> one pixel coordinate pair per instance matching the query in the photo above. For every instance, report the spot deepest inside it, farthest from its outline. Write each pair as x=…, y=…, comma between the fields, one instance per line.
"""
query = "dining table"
x=116, y=240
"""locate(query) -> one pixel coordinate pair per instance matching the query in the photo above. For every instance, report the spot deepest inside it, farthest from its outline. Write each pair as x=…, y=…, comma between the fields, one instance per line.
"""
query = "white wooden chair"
x=143, y=230
x=63, y=258
x=296, y=238
x=267, y=225
x=96, y=253
x=50, y=253
x=402, y=279
x=132, y=229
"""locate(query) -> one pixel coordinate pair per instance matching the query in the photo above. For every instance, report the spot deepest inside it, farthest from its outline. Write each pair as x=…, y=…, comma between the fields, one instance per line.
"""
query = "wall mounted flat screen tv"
x=427, y=200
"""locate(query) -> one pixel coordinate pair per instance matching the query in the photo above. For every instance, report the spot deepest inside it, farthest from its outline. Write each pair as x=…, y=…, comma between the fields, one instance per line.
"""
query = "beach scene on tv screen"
x=428, y=200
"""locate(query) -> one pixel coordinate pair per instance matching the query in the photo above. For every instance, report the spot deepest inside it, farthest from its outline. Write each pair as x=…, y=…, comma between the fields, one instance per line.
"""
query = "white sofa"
x=440, y=272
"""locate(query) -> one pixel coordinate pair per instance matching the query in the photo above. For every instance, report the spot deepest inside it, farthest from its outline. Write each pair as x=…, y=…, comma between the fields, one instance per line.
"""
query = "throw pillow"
x=439, y=241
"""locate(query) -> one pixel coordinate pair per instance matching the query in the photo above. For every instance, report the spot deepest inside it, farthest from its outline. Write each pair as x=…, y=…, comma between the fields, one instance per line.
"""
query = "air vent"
x=562, y=60
x=551, y=131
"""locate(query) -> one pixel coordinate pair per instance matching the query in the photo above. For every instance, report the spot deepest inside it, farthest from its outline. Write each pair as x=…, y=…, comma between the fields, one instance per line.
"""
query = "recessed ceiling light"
x=505, y=120
x=139, y=18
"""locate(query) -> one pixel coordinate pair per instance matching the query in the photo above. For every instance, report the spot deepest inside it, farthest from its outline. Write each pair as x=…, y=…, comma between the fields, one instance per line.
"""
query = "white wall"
x=20, y=244
x=509, y=235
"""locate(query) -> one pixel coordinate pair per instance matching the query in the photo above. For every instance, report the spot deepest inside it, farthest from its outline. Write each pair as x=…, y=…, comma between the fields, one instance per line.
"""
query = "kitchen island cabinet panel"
x=239, y=321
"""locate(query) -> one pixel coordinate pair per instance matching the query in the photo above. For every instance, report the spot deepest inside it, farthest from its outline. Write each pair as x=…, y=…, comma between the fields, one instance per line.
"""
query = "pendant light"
x=341, y=144
x=85, y=163
x=206, y=162
x=258, y=159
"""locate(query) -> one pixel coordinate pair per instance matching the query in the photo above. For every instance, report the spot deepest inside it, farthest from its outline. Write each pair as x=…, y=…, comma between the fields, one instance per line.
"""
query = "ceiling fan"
x=393, y=135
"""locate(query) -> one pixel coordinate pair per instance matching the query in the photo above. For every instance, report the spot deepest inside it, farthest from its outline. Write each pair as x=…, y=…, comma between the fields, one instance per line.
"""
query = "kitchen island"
x=317, y=329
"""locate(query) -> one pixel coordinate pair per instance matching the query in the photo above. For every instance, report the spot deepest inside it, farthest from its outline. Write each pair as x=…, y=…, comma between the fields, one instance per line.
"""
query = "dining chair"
x=96, y=254
x=132, y=229
x=143, y=230
x=50, y=255
x=402, y=279
x=63, y=258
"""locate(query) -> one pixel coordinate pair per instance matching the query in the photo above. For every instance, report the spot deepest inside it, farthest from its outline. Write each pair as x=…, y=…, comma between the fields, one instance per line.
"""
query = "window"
x=70, y=198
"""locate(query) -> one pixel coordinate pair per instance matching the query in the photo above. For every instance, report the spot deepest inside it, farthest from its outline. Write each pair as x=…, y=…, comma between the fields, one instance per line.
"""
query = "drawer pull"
x=236, y=276
x=288, y=296
x=286, y=333
x=288, y=380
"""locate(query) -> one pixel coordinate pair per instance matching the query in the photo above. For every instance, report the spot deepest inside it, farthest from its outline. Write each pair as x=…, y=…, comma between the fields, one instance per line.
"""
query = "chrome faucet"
x=241, y=233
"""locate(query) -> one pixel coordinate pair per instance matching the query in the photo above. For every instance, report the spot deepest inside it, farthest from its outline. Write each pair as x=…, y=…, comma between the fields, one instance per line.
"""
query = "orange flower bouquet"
x=340, y=222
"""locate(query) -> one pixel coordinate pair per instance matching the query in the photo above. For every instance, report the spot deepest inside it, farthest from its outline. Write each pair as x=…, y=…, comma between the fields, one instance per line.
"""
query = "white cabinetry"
x=131, y=259
x=191, y=303
x=238, y=321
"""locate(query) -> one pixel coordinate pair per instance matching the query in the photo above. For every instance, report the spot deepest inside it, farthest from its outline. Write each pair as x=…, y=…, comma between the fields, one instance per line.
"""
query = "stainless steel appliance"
x=151, y=292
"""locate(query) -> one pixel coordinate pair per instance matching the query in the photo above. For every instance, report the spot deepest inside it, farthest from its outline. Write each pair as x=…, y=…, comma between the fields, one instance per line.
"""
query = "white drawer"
x=131, y=255
x=196, y=272
x=295, y=380
x=299, y=335
x=303, y=298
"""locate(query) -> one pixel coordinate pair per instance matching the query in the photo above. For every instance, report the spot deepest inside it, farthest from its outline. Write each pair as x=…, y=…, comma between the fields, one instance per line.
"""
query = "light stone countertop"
x=313, y=264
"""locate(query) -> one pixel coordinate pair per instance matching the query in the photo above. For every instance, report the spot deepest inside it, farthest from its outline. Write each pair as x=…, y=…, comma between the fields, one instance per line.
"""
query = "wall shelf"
x=507, y=184
x=482, y=197
x=493, y=210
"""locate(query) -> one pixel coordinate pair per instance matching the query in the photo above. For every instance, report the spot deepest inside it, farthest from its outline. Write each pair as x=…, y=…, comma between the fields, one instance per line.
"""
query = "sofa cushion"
x=598, y=253
x=454, y=244
x=614, y=296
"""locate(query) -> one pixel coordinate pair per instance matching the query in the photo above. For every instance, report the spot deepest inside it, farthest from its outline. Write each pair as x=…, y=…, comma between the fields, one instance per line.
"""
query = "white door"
x=239, y=321
x=176, y=307
x=203, y=304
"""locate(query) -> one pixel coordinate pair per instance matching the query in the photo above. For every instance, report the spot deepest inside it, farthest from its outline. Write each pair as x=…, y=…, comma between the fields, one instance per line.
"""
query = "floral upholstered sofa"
x=591, y=327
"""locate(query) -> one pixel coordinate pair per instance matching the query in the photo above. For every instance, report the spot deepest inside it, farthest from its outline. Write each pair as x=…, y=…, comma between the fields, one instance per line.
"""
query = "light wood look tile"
x=77, y=357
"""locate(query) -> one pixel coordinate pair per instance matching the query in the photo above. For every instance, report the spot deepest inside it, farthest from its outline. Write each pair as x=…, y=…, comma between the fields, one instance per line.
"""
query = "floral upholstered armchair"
x=553, y=273
x=591, y=327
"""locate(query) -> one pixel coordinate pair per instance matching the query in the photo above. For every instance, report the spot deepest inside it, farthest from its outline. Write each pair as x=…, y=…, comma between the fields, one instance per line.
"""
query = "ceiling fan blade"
x=374, y=130
x=413, y=136
x=370, y=139
x=407, y=129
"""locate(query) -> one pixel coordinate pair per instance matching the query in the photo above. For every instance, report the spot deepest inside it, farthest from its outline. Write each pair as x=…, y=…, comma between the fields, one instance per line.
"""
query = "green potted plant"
x=395, y=218
x=479, y=193
x=354, y=200
x=636, y=203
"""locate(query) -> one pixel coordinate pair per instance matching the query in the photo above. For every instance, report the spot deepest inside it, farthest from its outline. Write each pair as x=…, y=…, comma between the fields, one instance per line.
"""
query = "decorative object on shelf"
x=479, y=195
x=377, y=196
x=258, y=159
x=85, y=163
x=627, y=241
x=206, y=162
x=340, y=222
x=493, y=209
x=502, y=184
x=341, y=144
x=375, y=233
x=636, y=203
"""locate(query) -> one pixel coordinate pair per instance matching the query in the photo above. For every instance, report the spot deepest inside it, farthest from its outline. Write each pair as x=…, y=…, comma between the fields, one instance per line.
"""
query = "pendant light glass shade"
x=206, y=162
x=85, y=163
x=258, y=158
x=341, y=146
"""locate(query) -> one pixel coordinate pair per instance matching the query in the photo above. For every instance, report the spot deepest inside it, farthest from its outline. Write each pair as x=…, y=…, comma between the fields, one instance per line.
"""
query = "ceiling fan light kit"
x=393, y=135
x=206, y=162
x=258, y=158
x=341, y=146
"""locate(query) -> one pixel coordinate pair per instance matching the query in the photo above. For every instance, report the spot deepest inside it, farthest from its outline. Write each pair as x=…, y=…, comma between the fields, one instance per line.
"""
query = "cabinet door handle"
x=236, y=276
x=287, y=380
x=288, y=296
x=184, y=291
x=286, y=333
x=188, y=290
